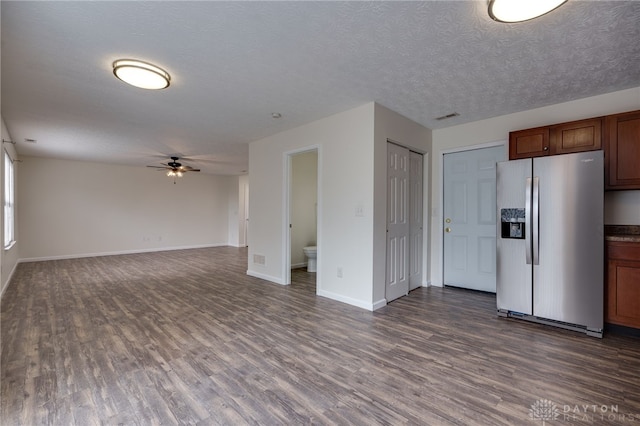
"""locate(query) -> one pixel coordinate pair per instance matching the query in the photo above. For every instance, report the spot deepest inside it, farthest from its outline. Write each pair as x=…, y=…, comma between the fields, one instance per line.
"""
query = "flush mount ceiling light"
x=141, y=74
x=521, y=10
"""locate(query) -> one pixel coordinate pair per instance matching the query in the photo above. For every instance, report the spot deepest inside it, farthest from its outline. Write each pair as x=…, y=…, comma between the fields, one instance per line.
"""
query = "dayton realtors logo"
x=547, y=411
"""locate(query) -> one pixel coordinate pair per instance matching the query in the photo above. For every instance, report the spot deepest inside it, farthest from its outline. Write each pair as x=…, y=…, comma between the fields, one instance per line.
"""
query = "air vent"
x=444, y=117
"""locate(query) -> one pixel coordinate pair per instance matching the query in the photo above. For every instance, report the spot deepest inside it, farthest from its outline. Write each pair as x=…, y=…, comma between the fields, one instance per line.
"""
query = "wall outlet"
x=339, y=271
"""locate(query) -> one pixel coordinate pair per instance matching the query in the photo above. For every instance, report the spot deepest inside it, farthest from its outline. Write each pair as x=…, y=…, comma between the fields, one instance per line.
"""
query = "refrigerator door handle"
x=535, y=219
x=527, y=219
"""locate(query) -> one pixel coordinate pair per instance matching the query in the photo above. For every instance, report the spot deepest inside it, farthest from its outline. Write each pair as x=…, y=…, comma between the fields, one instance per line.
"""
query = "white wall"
x=8, y=258
x=304, y=197
x=352, y=176
x=620, y=207
x=345, y=170
x=72, y=208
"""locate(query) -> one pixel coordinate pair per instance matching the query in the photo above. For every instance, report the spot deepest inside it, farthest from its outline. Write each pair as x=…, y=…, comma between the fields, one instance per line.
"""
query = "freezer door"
x=513, y=274
x=569, y=248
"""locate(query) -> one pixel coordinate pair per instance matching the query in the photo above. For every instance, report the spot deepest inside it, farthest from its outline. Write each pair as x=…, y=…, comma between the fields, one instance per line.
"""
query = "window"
x=8, y=201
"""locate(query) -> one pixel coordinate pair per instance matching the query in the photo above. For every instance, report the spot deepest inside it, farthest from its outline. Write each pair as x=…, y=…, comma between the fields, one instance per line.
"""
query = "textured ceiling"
x=234, y=63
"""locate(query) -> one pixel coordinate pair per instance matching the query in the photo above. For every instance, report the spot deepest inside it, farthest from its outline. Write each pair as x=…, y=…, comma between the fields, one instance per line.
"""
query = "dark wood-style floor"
x=186, y=337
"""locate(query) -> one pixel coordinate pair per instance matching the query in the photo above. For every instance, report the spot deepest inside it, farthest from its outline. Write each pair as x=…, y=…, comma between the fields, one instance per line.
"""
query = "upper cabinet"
x=618, y=135
x=576, y=136
x=529, y=143
x=622, y=133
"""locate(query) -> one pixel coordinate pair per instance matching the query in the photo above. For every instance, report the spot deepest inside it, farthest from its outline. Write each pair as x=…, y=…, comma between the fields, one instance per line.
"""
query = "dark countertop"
x=626, y=233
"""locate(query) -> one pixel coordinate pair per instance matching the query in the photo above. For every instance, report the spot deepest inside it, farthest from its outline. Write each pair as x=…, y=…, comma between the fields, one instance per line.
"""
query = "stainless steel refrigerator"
x=550, y=242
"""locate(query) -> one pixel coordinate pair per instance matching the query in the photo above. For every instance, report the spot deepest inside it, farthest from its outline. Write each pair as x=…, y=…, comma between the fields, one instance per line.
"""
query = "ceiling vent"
x=444, y=117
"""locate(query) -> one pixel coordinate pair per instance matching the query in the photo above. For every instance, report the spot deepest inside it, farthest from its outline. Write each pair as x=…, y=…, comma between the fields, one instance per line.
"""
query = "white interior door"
x=397, y=281
x=470, y=218
x=415, y=220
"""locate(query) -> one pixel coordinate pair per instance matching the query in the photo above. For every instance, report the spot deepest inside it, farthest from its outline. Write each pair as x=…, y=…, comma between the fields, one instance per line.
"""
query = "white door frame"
x=440, y=232
x=286, y=209
x=420, y=250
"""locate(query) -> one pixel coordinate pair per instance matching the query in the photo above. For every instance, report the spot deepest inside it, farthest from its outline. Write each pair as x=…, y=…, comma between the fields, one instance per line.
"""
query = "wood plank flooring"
x=186, y=337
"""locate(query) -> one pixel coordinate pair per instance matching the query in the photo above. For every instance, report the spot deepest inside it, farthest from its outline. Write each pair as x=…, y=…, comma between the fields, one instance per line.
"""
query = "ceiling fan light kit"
x=141, y=74
x=175, y=169
x=511, y=11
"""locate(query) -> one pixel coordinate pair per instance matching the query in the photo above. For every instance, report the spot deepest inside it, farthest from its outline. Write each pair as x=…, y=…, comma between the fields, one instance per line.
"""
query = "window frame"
x=8, y=196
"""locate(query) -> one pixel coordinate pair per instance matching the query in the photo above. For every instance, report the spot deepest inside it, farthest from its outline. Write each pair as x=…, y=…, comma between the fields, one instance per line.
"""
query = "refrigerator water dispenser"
x=512, y=222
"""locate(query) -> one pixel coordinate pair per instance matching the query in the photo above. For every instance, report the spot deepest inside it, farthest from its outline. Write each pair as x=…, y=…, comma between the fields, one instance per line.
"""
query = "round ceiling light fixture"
x=521, y=10
x=141, y=74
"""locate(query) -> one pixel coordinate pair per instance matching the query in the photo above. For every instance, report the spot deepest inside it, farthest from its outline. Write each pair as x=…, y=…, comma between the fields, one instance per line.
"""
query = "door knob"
x=447, y=229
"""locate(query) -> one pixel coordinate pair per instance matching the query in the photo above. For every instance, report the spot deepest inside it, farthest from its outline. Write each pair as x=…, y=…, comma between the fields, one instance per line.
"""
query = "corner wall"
x=352, y=171
x=621, y=207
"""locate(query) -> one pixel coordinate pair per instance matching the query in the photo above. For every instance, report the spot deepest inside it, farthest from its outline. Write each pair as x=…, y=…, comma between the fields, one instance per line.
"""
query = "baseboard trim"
x=379, y=304
x=265, y=277
x=6, y=284
x=299, y=265
x=345, y=299
x=116, y=253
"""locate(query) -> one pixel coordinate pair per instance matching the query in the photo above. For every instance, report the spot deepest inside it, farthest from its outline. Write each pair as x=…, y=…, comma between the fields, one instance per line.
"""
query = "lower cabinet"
x=622, y=295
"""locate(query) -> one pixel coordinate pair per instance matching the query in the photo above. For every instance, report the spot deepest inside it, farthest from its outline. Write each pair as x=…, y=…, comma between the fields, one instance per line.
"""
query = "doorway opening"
x=302, y=258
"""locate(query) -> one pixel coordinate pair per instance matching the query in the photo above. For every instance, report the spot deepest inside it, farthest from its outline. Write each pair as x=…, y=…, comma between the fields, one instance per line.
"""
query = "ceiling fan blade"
x=175, y=167
x=189, y=169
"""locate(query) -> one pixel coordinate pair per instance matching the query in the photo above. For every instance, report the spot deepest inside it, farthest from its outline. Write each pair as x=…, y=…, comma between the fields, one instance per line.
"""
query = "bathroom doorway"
x=303, y=219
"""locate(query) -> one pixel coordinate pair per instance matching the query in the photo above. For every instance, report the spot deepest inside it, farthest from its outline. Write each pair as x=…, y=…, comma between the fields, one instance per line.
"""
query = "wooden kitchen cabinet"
x=529, y=143
x=564, y=138
x=576, y=136
x=622, y=294
x=622, y=162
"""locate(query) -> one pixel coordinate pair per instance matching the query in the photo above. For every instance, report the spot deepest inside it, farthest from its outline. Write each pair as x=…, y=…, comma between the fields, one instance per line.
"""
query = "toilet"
x=310, y=252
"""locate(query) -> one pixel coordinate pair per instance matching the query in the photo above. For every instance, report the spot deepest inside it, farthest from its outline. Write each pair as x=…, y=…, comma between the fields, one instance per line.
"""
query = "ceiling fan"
x=175, y=169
